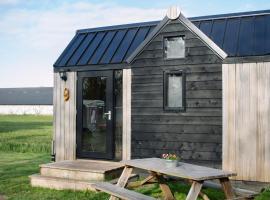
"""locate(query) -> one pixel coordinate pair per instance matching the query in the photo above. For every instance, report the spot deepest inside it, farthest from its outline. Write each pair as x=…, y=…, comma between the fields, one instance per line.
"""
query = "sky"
x=33, y=33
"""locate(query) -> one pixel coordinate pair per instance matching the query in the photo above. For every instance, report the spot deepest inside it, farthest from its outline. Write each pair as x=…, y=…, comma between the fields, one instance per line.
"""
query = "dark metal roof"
x=26, y=96
x=238, y=34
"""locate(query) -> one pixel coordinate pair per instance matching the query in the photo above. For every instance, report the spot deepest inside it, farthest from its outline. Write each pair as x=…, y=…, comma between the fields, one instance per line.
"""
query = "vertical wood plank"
x=74, y=115
x=225, y=131
x=251, y=135
x=228, y=87
x=62, y=120
x=266, y=123
x=58, y=118
x=66, y=84
x=65, y=118
x=126, y=114
x=263, y=144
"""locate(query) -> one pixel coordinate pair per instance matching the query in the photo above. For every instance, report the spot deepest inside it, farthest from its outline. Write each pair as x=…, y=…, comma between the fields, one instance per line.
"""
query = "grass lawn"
x=25, y=143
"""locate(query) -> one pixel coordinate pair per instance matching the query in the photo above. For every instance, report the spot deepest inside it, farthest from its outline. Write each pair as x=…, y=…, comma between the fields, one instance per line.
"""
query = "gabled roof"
x=189, y=25
x=26, y=96
x=237, y=34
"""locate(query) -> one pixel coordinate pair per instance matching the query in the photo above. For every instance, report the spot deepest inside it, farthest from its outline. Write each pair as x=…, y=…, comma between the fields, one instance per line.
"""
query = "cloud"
x=33, y=38
x=8, y=2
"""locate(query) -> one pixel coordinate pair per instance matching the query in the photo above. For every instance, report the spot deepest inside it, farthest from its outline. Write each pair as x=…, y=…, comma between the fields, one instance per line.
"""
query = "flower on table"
x=170, y=156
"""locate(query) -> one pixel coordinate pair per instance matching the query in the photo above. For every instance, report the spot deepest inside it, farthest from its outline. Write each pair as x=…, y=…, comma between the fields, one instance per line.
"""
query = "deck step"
x=38, y=180
x=120, y=192
x=83, y=170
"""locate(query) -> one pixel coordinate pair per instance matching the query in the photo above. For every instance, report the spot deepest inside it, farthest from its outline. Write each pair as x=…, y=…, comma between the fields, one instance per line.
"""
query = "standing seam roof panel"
x=140, y=36
x=231, y=36
x=113, y=46
x=102, y=47
x=80, y=50
x=66, y=50
x=218, y=31
x=259, y=34
x=72, y=49
x=245, y=43
x=91, y=48
x=267, y=35
x=206, y=27
x=121, y=51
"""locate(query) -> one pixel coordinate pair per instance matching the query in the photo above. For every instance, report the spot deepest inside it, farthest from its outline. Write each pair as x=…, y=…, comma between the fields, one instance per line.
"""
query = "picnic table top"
x=184, y=170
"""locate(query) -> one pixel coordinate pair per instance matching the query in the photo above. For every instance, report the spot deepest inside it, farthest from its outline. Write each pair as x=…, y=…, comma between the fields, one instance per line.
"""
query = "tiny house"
x=198, y=87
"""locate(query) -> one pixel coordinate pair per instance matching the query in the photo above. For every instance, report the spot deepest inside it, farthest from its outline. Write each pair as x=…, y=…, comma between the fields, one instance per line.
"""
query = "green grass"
x=25, y=133
x=180, y=191
x=25, y=144
x=14, y=182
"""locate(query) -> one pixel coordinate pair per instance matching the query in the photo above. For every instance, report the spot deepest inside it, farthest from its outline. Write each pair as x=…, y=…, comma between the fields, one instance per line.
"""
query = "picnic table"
x=157, y=168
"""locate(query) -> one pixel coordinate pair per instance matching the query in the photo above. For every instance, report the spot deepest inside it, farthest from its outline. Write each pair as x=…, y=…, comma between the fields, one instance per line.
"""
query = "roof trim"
x=148, y=39
x=189, y=25
x=204, y=38
x=230, y=15
x=247, y=59
x=118, y=27
x=96, y=67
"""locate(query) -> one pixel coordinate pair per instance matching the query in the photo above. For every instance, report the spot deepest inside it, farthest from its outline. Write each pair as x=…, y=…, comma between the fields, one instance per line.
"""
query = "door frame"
x=109, y=154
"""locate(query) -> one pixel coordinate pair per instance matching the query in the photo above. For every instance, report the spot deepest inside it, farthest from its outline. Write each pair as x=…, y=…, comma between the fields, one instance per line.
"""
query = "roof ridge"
x=117, y=27
x=231, y=15
x=154, y=23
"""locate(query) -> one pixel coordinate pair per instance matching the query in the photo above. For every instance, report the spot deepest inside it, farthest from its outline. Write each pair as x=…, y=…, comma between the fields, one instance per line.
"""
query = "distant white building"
x=36, y=100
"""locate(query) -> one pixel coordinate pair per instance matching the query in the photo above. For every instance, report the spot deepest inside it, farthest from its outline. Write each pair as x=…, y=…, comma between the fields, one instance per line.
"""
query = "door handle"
x=108, y=114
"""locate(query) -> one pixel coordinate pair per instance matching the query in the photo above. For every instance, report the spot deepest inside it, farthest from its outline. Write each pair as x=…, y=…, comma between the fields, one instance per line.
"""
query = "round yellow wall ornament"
x=66, y=94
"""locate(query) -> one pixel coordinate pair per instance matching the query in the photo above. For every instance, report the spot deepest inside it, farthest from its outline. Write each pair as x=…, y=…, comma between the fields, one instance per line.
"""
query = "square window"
x=174, y=87
x=174, y=47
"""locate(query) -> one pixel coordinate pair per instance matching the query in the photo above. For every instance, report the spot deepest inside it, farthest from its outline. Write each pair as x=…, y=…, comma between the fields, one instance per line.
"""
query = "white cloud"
x=39, y=36
x=8, y=2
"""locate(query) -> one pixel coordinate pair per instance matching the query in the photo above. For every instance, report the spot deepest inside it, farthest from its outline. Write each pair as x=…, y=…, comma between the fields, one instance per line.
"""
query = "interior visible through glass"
x=94, y=122
x=174, y=47
x=118, y=91
x=174, y=98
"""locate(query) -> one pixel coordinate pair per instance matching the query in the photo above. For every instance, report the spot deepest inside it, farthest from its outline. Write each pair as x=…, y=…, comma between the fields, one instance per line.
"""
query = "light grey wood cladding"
x=65, y=117
x=126, y=114
x=246, y=119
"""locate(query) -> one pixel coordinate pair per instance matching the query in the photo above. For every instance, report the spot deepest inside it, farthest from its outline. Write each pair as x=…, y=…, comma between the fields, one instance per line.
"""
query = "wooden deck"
x=77, y=175
x=85, y=165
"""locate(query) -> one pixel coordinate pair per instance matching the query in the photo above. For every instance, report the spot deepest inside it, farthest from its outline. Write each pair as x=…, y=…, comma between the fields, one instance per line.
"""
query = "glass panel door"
x=94, y=117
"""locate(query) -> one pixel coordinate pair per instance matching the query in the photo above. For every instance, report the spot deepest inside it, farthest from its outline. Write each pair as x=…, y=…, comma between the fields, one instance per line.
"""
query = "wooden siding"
x=246, y=129
x=195, y=134
x=126, y=114
x=65, y=117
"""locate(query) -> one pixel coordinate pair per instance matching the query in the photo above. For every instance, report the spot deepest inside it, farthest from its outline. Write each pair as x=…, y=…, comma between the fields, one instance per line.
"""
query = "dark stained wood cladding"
x=195, y=134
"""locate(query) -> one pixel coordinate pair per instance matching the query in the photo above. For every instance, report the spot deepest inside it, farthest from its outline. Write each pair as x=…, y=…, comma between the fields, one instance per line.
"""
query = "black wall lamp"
x=63, y=76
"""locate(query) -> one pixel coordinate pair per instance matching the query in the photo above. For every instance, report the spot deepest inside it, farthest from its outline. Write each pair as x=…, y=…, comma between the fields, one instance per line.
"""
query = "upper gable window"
x=174, y=47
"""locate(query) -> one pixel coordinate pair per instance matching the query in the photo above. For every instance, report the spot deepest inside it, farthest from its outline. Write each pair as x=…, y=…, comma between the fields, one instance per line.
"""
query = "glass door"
x=95, y=115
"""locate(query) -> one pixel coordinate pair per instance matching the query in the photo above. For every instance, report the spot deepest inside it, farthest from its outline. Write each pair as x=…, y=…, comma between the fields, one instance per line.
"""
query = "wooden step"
x=120, y=192
x=38, y=180
x=83, y=170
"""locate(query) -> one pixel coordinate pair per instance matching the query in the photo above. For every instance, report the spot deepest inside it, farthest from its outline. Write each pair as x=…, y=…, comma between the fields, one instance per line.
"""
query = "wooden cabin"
x=198, y=87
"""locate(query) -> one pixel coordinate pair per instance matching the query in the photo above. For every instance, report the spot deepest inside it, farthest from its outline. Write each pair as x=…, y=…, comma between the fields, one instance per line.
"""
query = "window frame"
x=171, y=36
x=165, y=91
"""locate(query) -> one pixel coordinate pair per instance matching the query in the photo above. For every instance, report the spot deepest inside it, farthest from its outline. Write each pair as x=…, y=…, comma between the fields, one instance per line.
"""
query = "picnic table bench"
x=157, y=168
